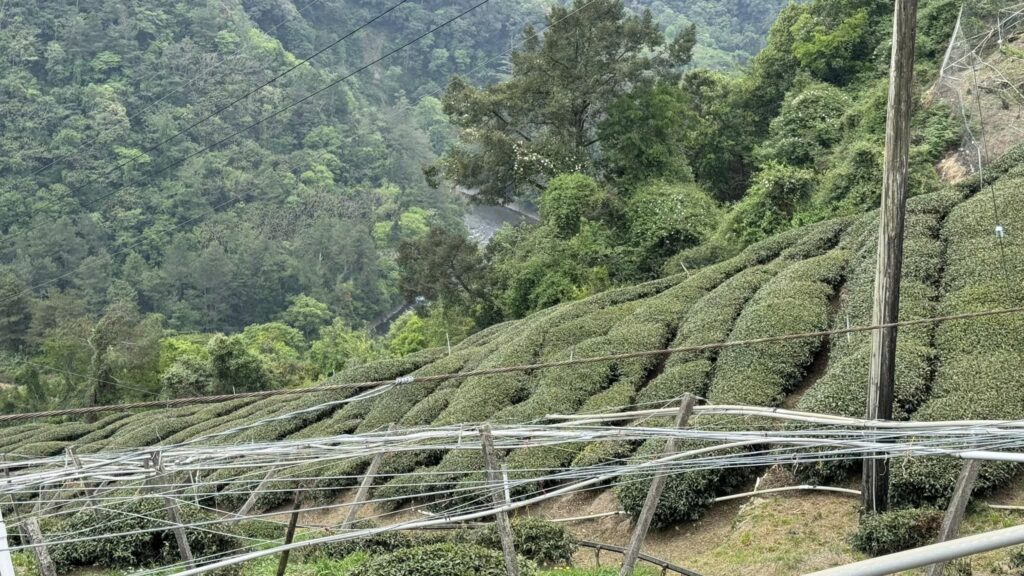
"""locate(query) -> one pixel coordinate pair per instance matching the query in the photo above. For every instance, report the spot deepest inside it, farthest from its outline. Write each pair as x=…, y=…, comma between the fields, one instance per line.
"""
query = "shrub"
x=571, y=199
x=898, y=530
x=775, y=195
x=441, y=560
x=667, y=217
x=135, y=550
x=686, y=496
x=538, y=540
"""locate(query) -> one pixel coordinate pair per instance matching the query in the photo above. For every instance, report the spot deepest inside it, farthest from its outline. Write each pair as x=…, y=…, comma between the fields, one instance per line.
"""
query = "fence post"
x=955, y=512
x=35, y=537
x=251, y=500
x=365, y=485
x=643, y=522
x=174, y=514
x=501, y=518
x=70, y=453
x=289, y=533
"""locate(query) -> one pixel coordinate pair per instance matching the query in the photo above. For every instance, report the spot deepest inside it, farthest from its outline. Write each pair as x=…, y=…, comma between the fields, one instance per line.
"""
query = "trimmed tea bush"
x=981, y=361
x=686, y=496
x=898, y=530
x=543, y=542
x=136, y=550
x=441, y=560
x=797, y=300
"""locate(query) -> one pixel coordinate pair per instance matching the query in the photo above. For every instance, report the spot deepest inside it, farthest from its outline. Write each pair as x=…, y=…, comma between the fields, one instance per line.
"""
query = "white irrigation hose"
x=590, y=517
x=927, y=555
x=805, y=487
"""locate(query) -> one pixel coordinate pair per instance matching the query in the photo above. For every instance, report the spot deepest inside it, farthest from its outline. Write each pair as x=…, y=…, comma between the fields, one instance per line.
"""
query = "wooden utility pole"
x=957, y=506
x=643, y=523
x=886, y=308
x=508, y=548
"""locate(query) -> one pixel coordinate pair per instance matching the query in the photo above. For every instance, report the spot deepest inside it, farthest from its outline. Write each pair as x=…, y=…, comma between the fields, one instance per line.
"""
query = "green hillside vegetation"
x=116, y=225
x=803, y=280
x=678, y=207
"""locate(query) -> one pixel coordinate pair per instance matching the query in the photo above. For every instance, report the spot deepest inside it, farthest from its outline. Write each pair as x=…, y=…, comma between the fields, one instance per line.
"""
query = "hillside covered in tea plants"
x=809, y=279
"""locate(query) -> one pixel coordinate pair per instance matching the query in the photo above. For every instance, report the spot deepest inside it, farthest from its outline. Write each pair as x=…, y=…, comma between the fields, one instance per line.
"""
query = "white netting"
x=982, y=78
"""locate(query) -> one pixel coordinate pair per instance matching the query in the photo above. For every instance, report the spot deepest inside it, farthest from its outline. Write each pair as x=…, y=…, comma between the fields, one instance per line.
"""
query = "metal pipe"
x=941, y=552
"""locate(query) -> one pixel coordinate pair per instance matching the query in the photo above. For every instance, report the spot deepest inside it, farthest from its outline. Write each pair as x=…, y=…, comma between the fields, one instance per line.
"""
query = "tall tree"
x=543, y=120
x=15, y=314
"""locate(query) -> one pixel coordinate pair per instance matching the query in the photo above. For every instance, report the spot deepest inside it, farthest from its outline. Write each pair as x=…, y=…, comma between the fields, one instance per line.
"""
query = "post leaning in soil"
x=251, y=500
x=289, y=533
x=35, y=537
x=174, y=515
x=508, y=548
x=957, y=506
x=364, y=486
x=643, y=522
x=881, y=374
x=70, y=453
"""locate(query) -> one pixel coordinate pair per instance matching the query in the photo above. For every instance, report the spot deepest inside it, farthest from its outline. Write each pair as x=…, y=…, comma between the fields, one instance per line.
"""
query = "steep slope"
x=803, y=280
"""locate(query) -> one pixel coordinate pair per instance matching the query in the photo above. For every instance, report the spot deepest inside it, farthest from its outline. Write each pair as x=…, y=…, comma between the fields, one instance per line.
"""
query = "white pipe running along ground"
x=6, y=564
x=942, y=552
x=461, y=518
x=805, y=487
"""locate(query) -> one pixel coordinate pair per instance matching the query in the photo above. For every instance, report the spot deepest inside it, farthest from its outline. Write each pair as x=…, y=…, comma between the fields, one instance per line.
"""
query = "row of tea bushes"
x=981, y=361
x=794, y=299
x=843, y=389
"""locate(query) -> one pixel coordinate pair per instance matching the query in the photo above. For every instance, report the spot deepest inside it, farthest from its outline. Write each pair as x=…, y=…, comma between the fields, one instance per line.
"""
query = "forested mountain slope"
x=149, y=196
x=86, y=214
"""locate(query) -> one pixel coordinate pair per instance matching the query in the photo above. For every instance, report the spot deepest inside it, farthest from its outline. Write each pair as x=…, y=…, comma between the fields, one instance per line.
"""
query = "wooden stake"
x=364, y=486
x=643, y=523
x=251, y=500
x=881, y=375
x=174, y=515
x=70, y=452
x=957, y=506
x=501, y=518
x=289, y=533
x=35, y=537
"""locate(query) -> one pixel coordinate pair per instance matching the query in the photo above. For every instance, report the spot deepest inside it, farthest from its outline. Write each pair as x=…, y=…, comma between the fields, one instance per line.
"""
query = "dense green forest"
x=126, y=248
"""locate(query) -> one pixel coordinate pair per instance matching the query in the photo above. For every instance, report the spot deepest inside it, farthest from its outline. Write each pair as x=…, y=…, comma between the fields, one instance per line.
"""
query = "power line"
x=212, y=115
x=403, y=380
